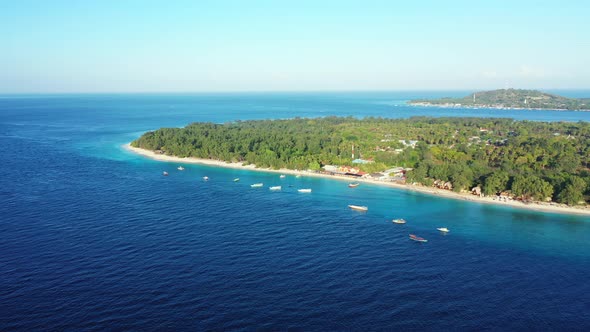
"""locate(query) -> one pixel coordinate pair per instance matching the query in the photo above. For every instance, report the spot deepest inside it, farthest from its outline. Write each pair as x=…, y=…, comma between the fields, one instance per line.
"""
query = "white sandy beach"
x=541, y=207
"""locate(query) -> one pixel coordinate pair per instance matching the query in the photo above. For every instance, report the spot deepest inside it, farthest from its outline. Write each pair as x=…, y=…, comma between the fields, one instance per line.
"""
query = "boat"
x=275, y=188
x=443, y=229
x=298, y=176
x=236, y=179
x=417, y=238
x=399, y=221
x=304, y=190
x=353, y=185
x=358, y=207
x=165, y=173
x=256, y=185
x=180, y=168
x=282, y=176
x=206, y=178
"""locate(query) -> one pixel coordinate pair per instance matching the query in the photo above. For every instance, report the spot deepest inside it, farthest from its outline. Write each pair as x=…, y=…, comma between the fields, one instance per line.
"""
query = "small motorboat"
x=353, y=185
x=443, y=229
x=399, y=221
x=256, y=185
x=206, y=178
x=283, y=176
x=275, y=188
x=165, y=173
x=358, y=207
x=236, y=179
x=304, y=190
x=417, y=238
x=180, y=168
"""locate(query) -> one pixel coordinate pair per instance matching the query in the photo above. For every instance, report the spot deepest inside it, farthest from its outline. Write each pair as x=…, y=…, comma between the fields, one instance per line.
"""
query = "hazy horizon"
x=578, y=92
x=334, y=46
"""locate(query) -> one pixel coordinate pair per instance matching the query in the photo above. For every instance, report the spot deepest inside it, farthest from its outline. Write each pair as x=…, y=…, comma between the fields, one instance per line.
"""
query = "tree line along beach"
x=535, y=165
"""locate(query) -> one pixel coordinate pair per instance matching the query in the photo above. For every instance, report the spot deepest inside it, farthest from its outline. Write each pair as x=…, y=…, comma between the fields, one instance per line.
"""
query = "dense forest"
x=515, y=98
x=531, y=160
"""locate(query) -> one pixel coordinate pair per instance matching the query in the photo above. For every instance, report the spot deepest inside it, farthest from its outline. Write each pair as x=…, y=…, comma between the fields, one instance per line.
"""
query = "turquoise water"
x=94, y=237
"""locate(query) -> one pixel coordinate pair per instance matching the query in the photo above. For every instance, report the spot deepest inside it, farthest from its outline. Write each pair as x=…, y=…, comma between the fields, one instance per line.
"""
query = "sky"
x=216, y=46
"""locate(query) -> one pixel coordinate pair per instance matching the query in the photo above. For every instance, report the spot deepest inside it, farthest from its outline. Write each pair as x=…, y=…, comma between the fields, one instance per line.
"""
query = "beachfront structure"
x=408, y=143
x=476, y=191
x=380, y=176
x=363, y=161
x=331, y=168
x=440, y=184
x=395, y=174
x=396, y=171
x=344, y=170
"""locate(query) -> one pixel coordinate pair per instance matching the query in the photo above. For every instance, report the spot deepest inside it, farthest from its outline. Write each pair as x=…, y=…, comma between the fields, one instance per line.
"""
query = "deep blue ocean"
x=93, y=237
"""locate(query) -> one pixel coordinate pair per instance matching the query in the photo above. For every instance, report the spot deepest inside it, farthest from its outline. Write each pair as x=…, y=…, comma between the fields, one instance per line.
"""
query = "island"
x=499, y=159
x=509, y=98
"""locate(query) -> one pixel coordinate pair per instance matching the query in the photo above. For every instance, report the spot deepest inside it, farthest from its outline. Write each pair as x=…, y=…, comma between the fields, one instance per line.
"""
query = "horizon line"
x=272, y=91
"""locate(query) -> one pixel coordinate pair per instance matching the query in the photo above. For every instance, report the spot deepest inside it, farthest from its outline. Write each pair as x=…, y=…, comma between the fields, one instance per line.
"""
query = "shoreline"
x=488, y=107
x=539, y=207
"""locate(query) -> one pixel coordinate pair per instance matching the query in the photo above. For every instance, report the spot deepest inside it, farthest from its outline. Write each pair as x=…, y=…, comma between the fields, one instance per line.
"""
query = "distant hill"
x=510, y=98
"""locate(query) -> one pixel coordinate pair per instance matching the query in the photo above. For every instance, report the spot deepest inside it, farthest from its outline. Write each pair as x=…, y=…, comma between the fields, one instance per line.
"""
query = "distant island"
x=520, y=160
x=510, y=98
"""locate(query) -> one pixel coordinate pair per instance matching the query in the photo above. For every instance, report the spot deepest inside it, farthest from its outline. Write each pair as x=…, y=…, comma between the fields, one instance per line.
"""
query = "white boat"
x=206, y=178
x=236, y=179
x=283, y=176
x=256, y=185
x=165, y=173
x=275, y=188
x=443, y=229
x=399, y=221
x=353, y=185
x=358, y=207
x=304, y=190
x=180, y=168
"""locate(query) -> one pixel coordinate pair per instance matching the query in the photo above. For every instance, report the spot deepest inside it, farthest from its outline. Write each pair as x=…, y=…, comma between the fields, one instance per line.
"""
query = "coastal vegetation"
x=527, y=160
x=510, y=98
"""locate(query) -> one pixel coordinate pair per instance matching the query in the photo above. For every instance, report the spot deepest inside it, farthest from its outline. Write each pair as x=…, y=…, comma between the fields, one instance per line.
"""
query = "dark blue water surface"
x=93, y=237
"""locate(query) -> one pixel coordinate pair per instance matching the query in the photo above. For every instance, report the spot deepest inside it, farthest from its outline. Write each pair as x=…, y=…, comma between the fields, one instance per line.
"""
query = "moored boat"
x=282, y=176
x=443, y=229
x=417, y=238
x=399, y=221
x=206, y=178
x=180, y=168
x=236, y=179
x=256, y=185
x=353, y=185
x=165, y=173
x=358, y=207
x=275, y=188
x=304, y=190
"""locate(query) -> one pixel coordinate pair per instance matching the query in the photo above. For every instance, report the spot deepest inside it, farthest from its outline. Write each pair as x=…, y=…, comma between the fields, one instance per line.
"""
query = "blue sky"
x=183, y=46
